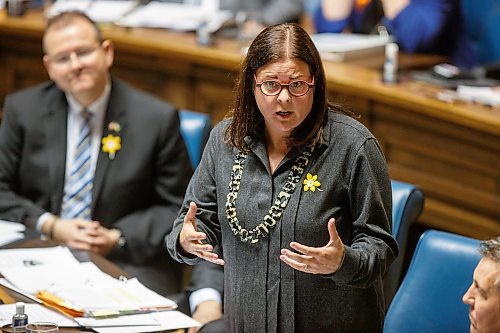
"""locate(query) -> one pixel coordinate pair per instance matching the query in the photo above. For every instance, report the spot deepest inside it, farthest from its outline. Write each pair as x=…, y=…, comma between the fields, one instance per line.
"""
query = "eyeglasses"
x=273, y=88
x=82, y=54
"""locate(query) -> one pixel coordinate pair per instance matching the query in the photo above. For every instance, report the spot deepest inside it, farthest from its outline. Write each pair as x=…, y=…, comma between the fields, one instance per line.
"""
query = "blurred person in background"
x=418, y=26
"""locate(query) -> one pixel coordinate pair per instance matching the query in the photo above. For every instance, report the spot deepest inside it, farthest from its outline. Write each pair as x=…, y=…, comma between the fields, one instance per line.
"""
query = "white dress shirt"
x=98, y=111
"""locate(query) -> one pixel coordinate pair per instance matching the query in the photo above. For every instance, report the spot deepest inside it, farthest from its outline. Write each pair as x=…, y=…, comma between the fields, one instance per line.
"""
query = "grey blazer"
x=261, y=293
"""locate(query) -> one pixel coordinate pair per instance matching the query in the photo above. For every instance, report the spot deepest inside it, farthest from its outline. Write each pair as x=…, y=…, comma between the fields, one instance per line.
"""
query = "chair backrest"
x=430, y=296
x=407, y=205
x=195, y=129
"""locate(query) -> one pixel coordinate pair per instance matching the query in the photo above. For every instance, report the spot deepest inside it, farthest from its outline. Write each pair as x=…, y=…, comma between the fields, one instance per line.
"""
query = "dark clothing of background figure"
x=424, y=26
x=215, y=326
x=138, y=192
x=208, y=275
x=482, y=20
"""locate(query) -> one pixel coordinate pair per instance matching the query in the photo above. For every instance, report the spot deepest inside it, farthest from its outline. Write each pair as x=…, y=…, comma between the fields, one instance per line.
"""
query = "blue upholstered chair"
x=195, y=129
x=407, y=205
x=430, y=296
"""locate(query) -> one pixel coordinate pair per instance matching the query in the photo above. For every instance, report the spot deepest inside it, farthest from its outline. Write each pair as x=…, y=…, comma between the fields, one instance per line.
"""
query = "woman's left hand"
x=316, y=260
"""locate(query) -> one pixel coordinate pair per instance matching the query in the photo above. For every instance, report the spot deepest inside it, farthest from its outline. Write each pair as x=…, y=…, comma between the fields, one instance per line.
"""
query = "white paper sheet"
x=484, y=95
x=182, y=17
x=7, y=284
x=10, y=258
x=64, y=5
x=10, y=238
x=167, y=320
x=340, y=47
x=10, y=232
x=8, y=226
x=131, y=320
x=99, y=11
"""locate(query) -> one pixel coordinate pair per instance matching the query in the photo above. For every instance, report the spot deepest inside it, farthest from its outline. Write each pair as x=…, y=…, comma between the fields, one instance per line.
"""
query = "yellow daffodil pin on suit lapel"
x=311, y=183
x=111, y=144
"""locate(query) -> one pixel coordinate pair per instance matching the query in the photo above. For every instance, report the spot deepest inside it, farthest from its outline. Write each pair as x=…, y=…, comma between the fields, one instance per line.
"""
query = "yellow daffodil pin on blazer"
x=111, y=144
x=311, y=183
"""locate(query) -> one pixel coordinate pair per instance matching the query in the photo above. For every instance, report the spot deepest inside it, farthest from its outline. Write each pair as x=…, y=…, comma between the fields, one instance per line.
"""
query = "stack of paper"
x=340, y=47
x=485, y=95
x=99, y=11
x=10, y=232
x=150, y=322
x=82, y=288
x=182, y=17
x=83, y=291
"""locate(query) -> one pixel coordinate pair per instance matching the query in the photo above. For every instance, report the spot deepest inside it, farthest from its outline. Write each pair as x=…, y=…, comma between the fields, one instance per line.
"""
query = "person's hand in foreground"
x=191, y=240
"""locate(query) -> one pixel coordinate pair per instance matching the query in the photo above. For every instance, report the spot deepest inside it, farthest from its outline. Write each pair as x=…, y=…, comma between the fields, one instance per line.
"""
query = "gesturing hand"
x=191, y=240
x=317, y=260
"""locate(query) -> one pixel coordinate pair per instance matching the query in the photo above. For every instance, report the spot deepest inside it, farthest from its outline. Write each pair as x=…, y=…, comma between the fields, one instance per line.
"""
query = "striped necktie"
x=77, y=198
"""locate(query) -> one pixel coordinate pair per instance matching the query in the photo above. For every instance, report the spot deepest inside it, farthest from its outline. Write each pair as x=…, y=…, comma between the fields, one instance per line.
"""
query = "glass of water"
x=41, y=327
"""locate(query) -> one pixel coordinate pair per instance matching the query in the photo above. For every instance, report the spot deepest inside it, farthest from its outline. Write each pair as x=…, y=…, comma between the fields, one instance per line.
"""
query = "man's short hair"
x=64, y=19
x=490, y=249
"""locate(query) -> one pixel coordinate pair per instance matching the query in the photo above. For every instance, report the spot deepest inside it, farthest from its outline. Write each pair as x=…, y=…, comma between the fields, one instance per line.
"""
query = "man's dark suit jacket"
x=138, y=192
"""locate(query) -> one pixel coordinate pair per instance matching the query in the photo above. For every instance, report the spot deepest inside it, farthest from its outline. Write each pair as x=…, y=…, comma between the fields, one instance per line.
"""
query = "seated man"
x=483, y=296
x=91, y=162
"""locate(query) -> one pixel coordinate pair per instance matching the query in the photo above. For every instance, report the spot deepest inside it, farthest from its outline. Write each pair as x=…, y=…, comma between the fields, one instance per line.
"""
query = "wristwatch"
x=121, y=242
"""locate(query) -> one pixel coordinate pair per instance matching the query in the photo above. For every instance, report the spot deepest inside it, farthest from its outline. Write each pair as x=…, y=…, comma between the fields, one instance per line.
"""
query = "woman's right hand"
x=191, y=240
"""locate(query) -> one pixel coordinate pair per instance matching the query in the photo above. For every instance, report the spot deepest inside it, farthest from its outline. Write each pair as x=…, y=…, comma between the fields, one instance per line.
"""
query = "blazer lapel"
x=115, y=115
x=55, y=122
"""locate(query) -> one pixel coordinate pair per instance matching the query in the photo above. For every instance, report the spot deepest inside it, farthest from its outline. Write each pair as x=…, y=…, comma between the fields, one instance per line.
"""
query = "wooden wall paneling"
x=458, y=168
x=21, y=61
x=160, y=75
x=213, y=91
x=440, y=215
x=359, y=105
x=26, y=70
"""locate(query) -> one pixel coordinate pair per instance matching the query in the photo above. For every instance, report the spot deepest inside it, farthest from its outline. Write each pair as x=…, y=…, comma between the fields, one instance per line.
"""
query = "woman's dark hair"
x=280, y=41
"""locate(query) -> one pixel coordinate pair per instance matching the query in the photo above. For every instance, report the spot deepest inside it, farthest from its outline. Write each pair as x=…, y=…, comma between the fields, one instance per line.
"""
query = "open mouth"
x=283, y=113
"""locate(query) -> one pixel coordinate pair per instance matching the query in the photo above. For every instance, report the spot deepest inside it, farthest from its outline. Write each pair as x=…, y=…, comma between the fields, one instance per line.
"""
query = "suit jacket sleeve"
x=13, y=207
x=207, y=275
x=145, y=229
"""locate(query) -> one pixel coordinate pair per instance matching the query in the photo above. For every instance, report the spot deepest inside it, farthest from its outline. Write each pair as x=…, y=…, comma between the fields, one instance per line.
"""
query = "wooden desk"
x=451, y=150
